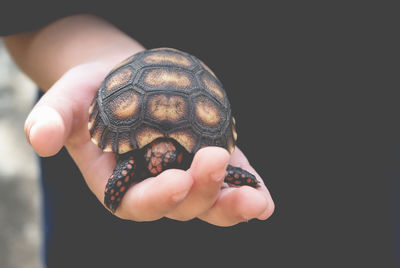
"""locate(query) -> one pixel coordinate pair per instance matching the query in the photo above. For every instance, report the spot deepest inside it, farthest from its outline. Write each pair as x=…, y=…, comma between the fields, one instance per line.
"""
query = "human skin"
x=68, y=59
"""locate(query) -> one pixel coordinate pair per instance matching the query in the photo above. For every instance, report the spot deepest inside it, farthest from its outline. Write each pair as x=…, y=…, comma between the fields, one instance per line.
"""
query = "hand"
x=61, y=117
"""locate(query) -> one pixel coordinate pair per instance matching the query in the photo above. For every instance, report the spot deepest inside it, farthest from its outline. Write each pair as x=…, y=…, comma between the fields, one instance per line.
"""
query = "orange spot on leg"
x=179, y=158
x=166, y=159
x=159, y=168
x=153, y=170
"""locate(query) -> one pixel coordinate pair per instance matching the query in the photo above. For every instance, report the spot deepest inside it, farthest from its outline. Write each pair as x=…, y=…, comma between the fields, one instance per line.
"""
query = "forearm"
x=46, y=54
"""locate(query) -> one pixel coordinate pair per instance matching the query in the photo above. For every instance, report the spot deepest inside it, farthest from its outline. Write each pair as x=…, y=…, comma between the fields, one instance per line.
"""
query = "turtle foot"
x=119, y=182
x=238, y=176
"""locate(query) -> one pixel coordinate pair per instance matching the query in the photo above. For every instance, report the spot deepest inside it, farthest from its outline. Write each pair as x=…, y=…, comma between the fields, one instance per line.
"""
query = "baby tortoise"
x=155, y=110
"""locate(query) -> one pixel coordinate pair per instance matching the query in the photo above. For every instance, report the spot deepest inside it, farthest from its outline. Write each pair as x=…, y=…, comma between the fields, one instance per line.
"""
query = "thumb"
x=51, y=121
x=46, y=129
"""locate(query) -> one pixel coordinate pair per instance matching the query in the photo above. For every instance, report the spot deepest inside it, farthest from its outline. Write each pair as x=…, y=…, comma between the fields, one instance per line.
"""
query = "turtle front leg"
x=122, y=177
x=238, y=176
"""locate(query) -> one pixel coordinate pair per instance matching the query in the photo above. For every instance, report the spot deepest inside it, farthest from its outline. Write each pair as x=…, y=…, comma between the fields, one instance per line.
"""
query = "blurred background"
x=20, y=231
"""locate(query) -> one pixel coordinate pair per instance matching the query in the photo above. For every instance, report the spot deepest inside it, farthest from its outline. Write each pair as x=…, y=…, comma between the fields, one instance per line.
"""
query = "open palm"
x=60, y=118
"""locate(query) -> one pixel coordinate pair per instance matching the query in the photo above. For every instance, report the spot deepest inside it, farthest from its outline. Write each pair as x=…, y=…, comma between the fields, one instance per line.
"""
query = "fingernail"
x=29, y=124
x=48, y=118
x=28, y=132
x=33, y=128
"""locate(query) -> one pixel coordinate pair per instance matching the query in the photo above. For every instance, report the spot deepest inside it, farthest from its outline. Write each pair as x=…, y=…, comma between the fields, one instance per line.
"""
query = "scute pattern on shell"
x=158, y=93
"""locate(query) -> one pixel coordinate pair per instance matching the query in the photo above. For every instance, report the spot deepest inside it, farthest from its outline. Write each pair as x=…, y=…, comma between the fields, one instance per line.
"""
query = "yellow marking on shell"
x=231, y=145
x=90, y=123
x=122, y=63
x=234, y=133
x=214, y=87
x=118, y=78
x=207, y=68
x=207, y=112
x=97, y=135
x=162, y=78
x=159, y=58
x=171, y=108
x=94, y=141
x=124, y=146
x=91, y=118
x=126, y=105
x=91, y=108
x=147, y=135
x=184, y=138
x=108, y=148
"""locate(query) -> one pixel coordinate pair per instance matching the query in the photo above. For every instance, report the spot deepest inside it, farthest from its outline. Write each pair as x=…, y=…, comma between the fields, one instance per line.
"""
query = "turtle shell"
x=158, y=93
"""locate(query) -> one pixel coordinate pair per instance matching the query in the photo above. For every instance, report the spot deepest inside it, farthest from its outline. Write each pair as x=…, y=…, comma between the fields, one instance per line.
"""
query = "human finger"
x=53, y=118
x=154, y=197
x=238, y=204
x=235, y=205
x=238, y=159
x=208, y=170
